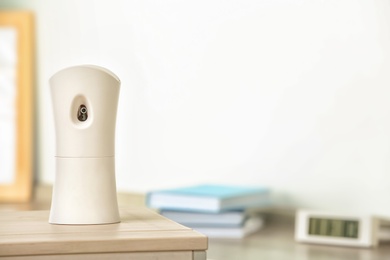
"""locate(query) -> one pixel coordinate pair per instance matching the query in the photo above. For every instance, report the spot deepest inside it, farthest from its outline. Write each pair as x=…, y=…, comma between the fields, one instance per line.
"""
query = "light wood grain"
x=109, y=256
x=141, y=230
x=20, y=189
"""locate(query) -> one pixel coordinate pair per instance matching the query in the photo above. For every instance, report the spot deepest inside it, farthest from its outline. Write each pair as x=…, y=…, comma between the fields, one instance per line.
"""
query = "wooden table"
x=274, y=242
x=142, y=234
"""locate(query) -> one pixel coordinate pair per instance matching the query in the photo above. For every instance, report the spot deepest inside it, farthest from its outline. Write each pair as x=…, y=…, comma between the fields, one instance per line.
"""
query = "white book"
x=186, y=218
x=250, y=226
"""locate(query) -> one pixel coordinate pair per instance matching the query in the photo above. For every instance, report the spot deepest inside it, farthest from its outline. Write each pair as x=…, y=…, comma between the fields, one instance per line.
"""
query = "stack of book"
x=218, y=211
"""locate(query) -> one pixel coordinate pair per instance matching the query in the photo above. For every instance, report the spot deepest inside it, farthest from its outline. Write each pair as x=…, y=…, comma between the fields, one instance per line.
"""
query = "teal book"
x=209, y=198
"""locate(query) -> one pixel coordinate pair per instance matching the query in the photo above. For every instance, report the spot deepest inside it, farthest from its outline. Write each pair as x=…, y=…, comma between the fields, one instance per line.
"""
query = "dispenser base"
x=84, y=192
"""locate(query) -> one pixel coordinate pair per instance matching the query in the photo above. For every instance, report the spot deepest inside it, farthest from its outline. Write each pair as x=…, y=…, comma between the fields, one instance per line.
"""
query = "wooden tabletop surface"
x=274, y=242
x=140, y=229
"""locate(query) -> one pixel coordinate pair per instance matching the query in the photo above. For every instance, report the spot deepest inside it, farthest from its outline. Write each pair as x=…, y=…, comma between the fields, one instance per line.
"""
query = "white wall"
x=293, y=95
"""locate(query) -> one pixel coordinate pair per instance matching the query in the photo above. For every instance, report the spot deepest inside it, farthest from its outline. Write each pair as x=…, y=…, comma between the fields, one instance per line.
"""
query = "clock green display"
x=334, y=227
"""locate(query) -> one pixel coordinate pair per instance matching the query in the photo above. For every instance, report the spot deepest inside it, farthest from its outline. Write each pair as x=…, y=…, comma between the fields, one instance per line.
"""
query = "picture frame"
x=16, y=99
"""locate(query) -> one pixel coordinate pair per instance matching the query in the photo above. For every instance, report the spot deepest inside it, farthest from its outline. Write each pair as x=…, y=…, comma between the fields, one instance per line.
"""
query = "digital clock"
x=336, y=229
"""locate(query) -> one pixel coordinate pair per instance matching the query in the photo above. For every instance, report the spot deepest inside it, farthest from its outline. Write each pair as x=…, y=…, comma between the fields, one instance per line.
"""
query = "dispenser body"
x=85, y=102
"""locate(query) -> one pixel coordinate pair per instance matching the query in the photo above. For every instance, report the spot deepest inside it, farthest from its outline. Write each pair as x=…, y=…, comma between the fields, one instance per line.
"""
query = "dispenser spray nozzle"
x=82, y=113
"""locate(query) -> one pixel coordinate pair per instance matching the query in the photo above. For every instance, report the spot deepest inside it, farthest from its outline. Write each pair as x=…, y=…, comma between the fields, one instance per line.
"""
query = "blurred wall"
x=293, y=95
